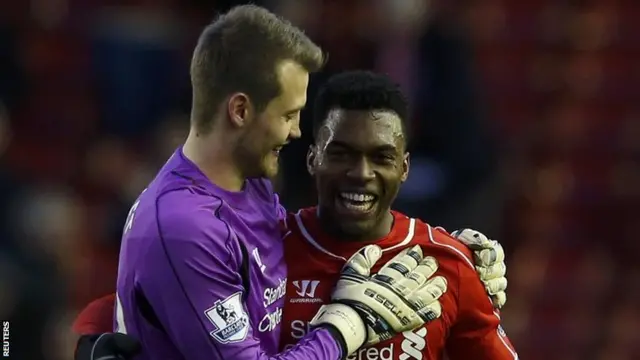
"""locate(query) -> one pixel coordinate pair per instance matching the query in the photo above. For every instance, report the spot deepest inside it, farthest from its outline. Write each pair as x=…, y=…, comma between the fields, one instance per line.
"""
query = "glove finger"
x=495, y=286
x=473, y=239
x=429, y=293
x=430, y=312
x=492, y=272
x=362, y=261
x=489, y=256
x=402, y=264
x=405, y=286
x=428, y=266
x=499, y=299
x=419, y=276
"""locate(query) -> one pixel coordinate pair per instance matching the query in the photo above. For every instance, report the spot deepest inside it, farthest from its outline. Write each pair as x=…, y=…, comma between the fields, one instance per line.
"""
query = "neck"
x=214, y=158
x=381, y=229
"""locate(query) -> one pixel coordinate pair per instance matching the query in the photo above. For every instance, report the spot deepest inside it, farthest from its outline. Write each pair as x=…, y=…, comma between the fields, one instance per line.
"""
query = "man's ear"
x=311, y=159
x=405, y=167
x=239, y=109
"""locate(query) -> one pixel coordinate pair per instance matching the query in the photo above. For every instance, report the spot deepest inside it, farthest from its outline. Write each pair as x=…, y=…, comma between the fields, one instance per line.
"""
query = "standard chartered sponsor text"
x=411, y=347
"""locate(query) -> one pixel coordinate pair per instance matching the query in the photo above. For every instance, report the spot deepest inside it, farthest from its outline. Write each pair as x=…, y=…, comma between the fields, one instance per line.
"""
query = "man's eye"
x=337, y=153
x=386, y=158
x=291, y=117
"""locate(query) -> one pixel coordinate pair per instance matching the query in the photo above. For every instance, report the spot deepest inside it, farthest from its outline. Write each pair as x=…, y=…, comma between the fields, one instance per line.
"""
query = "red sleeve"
x=97, y=317
x=477, y=333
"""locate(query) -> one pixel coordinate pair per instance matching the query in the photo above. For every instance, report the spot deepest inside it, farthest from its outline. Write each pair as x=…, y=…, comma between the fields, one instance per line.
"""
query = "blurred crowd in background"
x=526, y=127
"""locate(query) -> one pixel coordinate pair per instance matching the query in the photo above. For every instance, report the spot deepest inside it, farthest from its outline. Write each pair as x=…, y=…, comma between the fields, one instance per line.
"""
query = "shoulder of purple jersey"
x=185, y=215
x=188, y=229
x=263, y=189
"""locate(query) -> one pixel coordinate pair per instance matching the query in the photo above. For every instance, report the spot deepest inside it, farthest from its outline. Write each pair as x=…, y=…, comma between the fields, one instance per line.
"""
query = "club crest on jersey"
x=229, y=318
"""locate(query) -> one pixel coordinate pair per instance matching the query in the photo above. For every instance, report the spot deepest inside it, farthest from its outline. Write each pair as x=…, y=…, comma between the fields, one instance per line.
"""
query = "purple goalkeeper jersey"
x=202, y=274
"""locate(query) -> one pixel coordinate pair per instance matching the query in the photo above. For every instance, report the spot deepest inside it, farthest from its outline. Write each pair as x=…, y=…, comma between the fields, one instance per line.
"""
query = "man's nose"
x=295, y=132
x=361, y=170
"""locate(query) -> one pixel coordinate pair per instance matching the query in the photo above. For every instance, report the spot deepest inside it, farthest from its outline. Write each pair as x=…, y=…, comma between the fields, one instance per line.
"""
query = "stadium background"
x=526, y=127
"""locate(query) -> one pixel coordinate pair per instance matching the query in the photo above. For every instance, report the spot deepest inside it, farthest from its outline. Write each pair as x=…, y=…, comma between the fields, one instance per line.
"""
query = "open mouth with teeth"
x=356, y=203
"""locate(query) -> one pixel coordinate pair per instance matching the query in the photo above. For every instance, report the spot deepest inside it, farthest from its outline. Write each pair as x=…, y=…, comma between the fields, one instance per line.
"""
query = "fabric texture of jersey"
x=95, y=318
x=202, y=272
x=469, y=327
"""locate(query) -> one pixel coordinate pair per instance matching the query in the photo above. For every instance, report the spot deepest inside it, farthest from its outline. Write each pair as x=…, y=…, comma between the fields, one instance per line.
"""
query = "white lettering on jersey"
x=372, y=353
x=385, y=353
x=299, y=329
x=132, y=212
x=271, y=295
x=270, y=320
x=413, y=344
x=128, y=224
x=229, y=318
x=256, y=257
x=306, y=290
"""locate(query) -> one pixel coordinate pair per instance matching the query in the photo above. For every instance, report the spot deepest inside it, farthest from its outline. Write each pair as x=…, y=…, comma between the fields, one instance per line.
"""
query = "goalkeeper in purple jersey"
x=201, y=272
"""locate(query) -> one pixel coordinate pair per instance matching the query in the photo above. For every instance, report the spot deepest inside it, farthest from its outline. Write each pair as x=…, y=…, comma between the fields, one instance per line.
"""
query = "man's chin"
x=270, y=171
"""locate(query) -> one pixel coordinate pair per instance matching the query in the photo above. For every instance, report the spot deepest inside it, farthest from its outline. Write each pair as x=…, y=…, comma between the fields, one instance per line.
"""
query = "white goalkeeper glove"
x=402, y=296
x=489, y=259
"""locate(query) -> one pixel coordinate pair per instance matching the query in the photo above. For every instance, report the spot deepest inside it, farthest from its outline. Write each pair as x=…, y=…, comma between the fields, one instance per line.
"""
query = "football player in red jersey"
x=359, y=161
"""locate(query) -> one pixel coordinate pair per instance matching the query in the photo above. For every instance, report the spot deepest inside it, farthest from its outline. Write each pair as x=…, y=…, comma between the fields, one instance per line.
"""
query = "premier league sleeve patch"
x=229, y=319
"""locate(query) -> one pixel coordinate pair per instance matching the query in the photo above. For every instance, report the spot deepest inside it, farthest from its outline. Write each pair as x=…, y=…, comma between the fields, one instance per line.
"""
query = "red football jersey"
x=469, y=327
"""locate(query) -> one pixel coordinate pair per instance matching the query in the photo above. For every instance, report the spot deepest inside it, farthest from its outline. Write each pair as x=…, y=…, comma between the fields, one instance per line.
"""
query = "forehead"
x=363, y=128
x=293, y=79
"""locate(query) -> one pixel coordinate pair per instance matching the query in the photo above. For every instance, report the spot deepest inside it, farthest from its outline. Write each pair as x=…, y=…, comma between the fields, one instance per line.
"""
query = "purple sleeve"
x=193, y=269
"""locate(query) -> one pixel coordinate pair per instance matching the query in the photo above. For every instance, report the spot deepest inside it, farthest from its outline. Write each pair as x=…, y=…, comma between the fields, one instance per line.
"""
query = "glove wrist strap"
x=346, y=321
